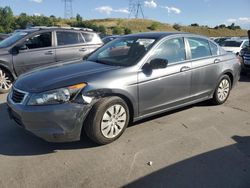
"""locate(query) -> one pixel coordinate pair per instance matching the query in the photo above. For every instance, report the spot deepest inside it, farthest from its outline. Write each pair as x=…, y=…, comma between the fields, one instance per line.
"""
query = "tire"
x=222, y=90
x=107, y=120
x=6, y=80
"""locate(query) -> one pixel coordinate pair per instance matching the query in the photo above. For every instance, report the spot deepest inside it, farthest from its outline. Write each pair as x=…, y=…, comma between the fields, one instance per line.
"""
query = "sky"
x=184, y=12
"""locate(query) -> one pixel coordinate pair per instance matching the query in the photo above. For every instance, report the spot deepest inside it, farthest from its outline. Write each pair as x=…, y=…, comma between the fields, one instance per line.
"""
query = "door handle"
x=216, y=60
x=185, y=68
x=49, y=53
x=82, y=49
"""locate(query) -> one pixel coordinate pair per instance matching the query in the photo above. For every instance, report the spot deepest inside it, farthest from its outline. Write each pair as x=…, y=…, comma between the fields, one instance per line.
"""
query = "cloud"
x=172, y=9
x=37, y=1
x=37, y=14
x=240, y=20
x=150, y=4
x=108, y=10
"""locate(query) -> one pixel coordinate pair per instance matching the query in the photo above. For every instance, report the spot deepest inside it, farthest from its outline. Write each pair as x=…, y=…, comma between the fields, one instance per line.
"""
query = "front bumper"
x=53, y=123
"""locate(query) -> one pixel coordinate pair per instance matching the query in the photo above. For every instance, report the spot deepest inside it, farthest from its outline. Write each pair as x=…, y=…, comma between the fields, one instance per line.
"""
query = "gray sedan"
x=126, y=80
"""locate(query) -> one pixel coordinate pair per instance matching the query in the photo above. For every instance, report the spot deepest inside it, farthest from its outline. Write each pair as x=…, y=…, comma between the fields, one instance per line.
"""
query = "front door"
x=167, y=87
x=37, y=51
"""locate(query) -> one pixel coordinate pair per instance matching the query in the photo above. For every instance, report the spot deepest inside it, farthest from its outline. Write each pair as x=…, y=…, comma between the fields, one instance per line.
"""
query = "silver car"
x=126, y=80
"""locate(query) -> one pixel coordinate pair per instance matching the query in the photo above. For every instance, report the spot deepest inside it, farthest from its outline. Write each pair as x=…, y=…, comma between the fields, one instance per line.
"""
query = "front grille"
x=17, y=96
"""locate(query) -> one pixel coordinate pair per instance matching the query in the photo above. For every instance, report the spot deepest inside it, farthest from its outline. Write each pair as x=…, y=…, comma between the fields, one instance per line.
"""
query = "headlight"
x=56, y=96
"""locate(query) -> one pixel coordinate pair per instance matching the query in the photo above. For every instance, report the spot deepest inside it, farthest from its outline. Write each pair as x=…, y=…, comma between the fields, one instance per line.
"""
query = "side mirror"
x=16, y=49
x=158, y=63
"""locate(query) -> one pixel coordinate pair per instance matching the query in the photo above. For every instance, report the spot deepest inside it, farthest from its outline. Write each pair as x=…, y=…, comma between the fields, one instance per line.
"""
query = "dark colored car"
x=221, y=40
x=29, y=49
x=245, y=60
x=108, y=39
x=128, y=79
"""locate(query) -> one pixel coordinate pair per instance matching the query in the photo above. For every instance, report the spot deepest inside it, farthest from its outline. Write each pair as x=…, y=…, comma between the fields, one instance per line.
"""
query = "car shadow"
x=226, y=167
x=15, y=141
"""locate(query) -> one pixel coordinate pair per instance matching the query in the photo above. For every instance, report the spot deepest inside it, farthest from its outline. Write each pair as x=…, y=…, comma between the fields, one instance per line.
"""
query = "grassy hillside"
x=140, y=25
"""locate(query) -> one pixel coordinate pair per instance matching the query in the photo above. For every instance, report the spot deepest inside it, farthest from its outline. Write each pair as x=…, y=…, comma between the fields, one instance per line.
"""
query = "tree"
x=117, y=30
x=102, y=29
x=78, y=18
x=222, y=26
x=6, y=19
x=154, y=26
x=177, y=27
x=127, y=31
x=194, y=25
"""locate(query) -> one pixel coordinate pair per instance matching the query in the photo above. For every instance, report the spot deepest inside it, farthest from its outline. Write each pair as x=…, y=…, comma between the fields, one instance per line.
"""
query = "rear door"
x=70, y=46
x=205, y=59
x=38, y=51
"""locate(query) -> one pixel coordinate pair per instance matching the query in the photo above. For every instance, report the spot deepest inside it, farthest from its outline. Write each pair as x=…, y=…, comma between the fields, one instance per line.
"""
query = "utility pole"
x=136, y=9
x=68, y=9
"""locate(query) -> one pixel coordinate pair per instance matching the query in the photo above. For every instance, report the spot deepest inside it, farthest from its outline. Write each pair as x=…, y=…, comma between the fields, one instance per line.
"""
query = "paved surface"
x=198, y=146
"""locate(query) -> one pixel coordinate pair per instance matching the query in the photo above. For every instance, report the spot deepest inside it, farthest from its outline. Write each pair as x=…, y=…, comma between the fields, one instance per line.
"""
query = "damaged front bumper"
x=53, y=123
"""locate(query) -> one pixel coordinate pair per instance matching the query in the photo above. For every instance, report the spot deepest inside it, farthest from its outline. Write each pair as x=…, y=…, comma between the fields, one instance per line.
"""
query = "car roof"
x=158, y=35
x=39, y=28
x=238, y=39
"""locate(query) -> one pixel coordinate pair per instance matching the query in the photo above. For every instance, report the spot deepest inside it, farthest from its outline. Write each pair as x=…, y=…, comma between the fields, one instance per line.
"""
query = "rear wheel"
x=222, y=90
x=6, y=81
x=107, y=120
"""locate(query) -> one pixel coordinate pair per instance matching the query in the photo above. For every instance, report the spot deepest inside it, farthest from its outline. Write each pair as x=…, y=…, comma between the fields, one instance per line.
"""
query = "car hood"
x=60, y=76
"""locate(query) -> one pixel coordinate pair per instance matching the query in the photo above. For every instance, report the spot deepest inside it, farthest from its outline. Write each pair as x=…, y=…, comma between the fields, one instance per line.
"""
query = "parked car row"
x=29, y=49
x=126, y=80
x=233, y=44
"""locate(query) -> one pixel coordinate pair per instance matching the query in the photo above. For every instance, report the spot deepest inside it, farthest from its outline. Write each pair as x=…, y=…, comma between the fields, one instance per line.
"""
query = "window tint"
x=172, y=50
x=67, y=38
x=214, y=49
x=199, y=47
x=41, y=40
x=88, y=37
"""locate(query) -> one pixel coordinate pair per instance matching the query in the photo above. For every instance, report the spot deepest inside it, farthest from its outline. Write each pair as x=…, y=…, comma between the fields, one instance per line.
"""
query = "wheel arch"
x=6, y=68
x=229, y=73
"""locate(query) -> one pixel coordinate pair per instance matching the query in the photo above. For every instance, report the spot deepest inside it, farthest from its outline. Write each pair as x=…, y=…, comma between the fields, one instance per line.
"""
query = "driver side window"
x=41, y=40
x=172, y=50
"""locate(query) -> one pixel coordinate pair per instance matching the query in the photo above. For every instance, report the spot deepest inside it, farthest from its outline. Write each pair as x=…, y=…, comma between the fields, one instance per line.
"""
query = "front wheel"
x=222, y=90
x=107, y=120
x=6, y=80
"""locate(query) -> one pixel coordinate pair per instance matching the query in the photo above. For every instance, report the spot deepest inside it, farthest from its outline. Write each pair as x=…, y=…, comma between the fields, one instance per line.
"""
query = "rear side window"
x=199, y=47
x=68, y=38
x=88, y=37
x=41, y=40
x=214, y=49
x=173, y=50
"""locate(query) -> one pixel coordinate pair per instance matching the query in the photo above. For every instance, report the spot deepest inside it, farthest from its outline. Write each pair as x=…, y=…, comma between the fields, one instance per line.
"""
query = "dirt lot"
x=198, y=146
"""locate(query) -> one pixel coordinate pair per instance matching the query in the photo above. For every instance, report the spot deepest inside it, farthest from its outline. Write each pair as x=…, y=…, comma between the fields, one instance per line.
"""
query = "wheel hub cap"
x=223, y=90
x=113, y=121
x=5, y=81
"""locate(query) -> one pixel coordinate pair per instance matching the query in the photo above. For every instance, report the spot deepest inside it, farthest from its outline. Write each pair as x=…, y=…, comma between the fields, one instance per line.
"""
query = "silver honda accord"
x=128, y=79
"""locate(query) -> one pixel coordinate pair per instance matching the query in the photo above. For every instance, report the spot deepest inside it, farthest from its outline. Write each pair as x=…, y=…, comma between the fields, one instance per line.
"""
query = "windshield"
x=122, y=51
x=12, y=39
x=231, y=43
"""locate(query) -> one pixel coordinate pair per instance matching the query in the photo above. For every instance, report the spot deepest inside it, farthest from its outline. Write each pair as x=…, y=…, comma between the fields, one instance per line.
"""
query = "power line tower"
x=68, y=8
x=136, y=8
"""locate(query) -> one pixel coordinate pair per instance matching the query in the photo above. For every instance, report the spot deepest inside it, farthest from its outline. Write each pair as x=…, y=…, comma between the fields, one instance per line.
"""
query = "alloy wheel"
x=223, y=90
x=5, y=81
